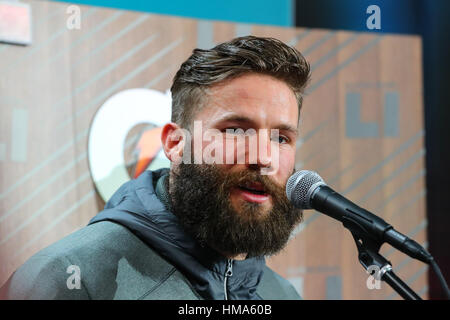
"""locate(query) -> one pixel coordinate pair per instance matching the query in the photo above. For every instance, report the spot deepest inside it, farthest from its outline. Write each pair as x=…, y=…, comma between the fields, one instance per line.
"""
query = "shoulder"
x=112, y=263
x=275, y=287
x=43, y=276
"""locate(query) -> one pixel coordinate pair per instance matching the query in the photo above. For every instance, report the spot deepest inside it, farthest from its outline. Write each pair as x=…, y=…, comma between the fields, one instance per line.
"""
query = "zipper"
x=228, y=273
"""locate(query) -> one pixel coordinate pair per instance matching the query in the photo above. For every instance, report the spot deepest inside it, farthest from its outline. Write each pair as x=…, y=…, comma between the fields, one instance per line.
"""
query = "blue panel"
x=271, y=12
x=353, y=125
x=391, y=116
x=397, y=16
x=334, y=287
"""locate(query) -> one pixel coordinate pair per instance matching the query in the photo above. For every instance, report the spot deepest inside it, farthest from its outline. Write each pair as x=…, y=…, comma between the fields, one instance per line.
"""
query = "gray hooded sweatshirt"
x=136, y=249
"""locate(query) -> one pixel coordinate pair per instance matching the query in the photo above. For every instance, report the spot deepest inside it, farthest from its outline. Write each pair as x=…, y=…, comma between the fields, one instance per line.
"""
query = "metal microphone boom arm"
x=368, y=255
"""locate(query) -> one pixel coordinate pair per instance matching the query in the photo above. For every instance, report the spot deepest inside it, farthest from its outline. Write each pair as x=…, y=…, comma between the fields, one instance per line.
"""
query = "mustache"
x=243, y=178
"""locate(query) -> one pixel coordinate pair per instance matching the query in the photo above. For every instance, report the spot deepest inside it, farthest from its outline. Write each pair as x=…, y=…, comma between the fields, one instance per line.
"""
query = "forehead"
x=261, y=98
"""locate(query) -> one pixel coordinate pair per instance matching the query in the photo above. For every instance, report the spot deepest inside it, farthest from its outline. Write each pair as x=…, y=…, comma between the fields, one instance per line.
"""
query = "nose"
x=264, y=150
x=258, y=151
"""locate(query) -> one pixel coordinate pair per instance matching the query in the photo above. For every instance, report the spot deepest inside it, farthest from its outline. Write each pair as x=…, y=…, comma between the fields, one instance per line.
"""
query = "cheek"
x=286, y=163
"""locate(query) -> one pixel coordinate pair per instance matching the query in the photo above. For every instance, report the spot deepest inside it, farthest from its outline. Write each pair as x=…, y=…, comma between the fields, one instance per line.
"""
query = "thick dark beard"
x=200, y=198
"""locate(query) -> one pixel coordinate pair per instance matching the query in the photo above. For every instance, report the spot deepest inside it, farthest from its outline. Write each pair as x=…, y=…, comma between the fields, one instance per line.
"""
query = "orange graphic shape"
x=149, y=145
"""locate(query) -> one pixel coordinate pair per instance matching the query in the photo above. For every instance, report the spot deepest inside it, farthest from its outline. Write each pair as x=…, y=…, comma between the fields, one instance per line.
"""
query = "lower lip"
x=252, y=197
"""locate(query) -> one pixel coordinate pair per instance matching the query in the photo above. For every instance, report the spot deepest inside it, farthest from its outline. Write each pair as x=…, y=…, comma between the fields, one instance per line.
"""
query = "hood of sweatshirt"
x=142, y=206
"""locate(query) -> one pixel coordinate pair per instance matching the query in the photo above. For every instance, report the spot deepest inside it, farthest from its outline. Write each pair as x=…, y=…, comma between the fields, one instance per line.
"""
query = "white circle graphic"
x=109, y=129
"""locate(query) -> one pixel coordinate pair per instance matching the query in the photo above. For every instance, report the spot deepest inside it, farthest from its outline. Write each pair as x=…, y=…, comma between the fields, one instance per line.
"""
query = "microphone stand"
x=369, y=256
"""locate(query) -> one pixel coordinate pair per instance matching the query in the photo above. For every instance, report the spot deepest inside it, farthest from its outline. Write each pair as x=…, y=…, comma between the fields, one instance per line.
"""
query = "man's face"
x=261, y=103
x=237, y=202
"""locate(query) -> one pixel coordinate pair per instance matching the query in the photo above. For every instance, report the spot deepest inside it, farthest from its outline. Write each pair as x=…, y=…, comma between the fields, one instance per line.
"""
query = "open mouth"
x=253, y=192
x=256, y=188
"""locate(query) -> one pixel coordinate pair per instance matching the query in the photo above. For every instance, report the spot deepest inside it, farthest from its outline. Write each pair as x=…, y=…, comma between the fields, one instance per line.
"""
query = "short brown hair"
x=229, y=60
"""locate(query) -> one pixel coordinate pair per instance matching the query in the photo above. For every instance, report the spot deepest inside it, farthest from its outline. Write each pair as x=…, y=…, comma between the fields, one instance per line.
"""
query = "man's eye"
x=234, y=130
x=281, y=139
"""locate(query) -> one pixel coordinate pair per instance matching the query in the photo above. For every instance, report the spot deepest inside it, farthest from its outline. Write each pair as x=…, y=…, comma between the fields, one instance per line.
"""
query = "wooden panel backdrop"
x=361, y=129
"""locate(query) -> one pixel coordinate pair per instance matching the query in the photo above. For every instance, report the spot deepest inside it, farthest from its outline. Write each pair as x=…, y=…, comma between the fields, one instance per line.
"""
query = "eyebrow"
x=243, y=119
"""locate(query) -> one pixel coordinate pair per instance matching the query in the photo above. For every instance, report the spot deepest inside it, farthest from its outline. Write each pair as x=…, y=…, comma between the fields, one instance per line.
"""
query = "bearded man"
x=201, y=229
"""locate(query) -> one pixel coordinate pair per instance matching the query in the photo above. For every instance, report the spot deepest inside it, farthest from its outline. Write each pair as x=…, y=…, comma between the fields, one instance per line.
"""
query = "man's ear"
x=173, y=139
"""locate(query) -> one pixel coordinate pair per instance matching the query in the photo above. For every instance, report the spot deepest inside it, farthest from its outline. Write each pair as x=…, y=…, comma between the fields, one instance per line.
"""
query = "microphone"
x=307, y=190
